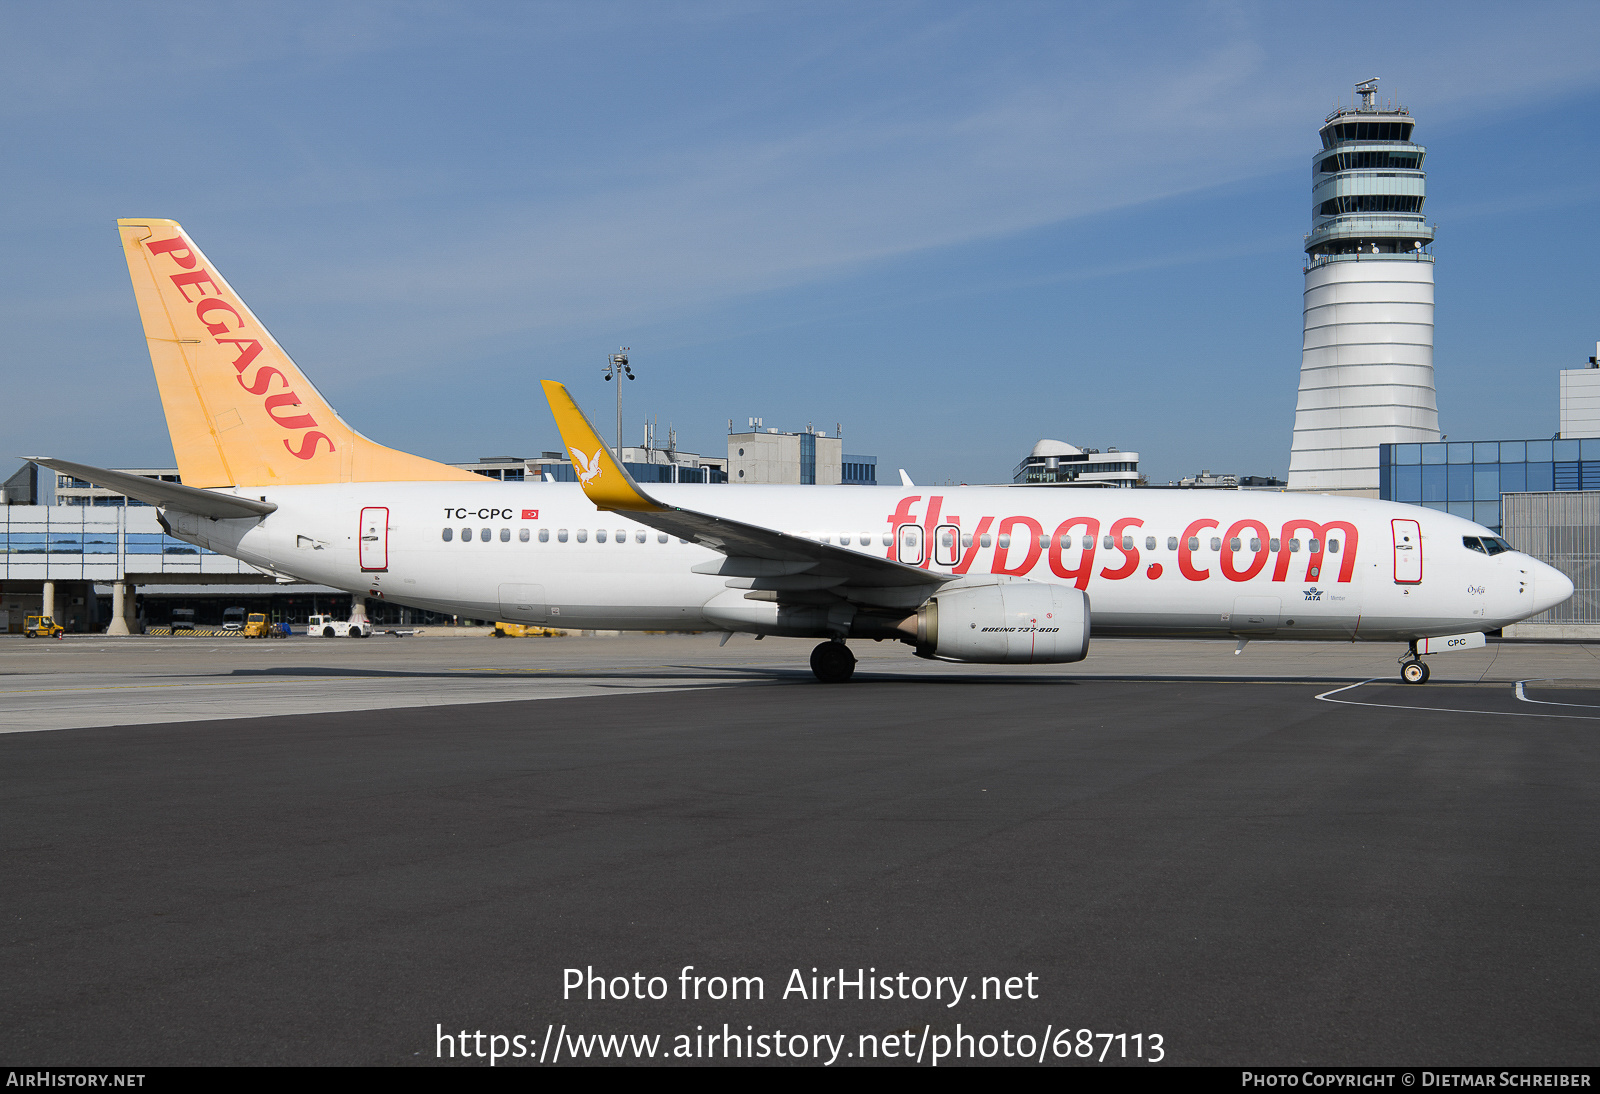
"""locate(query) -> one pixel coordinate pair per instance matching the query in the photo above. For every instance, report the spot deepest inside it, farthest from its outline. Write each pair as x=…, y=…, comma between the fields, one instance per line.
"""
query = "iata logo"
x=1313, y=593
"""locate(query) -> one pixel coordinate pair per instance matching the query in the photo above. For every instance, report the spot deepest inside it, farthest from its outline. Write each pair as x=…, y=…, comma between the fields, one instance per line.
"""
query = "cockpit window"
x=1495, y=545
x=1473, y=543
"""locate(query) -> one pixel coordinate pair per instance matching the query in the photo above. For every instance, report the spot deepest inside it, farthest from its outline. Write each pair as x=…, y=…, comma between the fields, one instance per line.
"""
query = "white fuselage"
x=1153, y=562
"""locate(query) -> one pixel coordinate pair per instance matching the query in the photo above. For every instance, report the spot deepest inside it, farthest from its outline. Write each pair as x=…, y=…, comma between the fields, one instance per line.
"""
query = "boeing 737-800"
x=1009, y=575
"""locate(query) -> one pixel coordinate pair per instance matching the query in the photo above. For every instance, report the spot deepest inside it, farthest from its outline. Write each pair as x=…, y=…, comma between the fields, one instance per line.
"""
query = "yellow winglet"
x=605, y=481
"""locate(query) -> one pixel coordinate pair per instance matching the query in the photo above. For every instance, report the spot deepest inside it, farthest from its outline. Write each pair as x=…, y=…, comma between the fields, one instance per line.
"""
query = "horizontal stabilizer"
x=167, y=495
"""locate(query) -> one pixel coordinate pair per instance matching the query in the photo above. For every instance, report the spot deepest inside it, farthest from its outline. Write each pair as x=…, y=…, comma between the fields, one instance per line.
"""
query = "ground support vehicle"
x=35, y=626
x=325, y=626
x=522, y=630
x=256, y=626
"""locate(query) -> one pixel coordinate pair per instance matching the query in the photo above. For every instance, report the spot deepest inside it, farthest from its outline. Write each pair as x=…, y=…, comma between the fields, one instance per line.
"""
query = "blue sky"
x=954, y=228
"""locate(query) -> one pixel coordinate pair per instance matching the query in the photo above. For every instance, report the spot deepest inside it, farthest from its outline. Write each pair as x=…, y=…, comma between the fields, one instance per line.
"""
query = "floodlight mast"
x=616, y=368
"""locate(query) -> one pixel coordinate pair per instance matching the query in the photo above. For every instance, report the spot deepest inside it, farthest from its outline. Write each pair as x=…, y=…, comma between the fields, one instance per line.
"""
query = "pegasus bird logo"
x=588, y=466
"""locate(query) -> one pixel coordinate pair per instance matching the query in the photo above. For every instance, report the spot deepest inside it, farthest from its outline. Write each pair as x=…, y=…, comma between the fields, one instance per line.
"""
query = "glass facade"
x=858, y=470
x=1466, y=478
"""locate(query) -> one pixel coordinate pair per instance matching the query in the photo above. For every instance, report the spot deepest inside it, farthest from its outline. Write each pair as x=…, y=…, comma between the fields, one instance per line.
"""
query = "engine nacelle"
x=1015, y=623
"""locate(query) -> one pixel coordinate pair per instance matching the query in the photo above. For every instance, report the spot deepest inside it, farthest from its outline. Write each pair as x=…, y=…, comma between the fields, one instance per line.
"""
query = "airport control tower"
x=1366, y=372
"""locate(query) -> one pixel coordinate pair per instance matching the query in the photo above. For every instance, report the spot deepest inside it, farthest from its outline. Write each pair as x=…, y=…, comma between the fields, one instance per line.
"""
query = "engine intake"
x=1015, y=623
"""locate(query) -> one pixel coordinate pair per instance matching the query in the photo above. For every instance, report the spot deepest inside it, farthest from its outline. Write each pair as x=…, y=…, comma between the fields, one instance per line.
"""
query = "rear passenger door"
x=374, y=539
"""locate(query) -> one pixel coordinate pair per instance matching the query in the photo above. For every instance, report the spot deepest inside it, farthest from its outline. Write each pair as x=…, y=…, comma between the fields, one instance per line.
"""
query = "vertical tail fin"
x=240, y=412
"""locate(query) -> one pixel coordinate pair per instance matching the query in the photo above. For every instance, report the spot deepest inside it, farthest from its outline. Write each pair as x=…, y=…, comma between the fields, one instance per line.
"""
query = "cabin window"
x=1255, y=545
x=844, y=541
x=544, y=535
x=1149, y=543
x=1216, y=543
x=639, y=536
x=1005, y=541
x=983, y=540
x=888, y=540
x=1294, y=545
x=562, y=535
x=523, y=535
x=1235, y=545
x=583, y=535
x=486, y=534
x=622, y=535
x=1105, y=541
x=1272, y=544
x=449, y=534
x=1333, y=546
x=599, y=535
x=1044, y=543
x=1127, y=543
x=661, y=537
x=1194, y=543
x=1172, y=543
x=466, y=535
x=505, y=535
x=1316, y=546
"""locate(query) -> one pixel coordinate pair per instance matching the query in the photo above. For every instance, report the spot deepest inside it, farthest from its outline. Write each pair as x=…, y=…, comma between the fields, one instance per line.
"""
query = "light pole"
x=616, y=369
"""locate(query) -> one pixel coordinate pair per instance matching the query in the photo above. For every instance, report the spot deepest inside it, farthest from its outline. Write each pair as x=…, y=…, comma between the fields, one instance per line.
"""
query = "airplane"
x=1010, y=575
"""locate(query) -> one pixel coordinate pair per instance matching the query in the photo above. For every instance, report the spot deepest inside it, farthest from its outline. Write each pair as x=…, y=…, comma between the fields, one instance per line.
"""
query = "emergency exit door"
x=1407, y=552
x=374, y=539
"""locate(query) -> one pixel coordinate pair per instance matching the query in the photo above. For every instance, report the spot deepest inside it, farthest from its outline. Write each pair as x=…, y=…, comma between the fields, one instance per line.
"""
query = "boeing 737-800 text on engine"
x=272, y=476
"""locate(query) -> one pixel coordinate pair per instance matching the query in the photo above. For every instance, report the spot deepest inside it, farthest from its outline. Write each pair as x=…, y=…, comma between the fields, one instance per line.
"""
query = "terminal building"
x=764, y=455
x=1057, y=463
x=1366, y=365
x=1542, y=495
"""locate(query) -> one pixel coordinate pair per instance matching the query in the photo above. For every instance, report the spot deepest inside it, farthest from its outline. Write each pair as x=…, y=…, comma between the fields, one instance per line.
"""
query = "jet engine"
x=1015, y=623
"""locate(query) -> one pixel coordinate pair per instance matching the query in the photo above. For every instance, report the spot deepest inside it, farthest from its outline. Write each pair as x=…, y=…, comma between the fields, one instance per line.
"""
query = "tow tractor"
x=326, y=626
x=35, y=626
x=256, y=626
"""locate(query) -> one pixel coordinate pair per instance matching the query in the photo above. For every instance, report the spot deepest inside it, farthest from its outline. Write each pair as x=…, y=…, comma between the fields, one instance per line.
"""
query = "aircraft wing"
x=168, y=495
x=754, y=551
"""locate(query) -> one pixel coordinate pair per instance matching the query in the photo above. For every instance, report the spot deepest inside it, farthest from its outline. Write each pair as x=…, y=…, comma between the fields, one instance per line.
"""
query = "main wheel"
x=833, y=663
x=1414, y=672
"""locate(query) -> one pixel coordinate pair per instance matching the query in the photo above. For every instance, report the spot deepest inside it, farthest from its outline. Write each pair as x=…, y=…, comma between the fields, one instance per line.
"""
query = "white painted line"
x=1447, y=710
x=1549, y=702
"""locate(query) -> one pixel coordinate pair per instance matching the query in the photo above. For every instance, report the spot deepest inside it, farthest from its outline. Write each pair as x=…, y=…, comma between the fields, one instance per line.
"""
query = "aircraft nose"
x=1550, y=586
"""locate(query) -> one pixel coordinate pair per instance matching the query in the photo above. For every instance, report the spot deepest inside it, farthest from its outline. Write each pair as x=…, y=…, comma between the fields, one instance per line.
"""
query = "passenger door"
x=1407, y=552
x=374, y=539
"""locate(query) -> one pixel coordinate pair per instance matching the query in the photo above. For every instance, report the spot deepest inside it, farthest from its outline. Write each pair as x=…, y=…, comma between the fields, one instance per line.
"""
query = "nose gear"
x=1412, y=668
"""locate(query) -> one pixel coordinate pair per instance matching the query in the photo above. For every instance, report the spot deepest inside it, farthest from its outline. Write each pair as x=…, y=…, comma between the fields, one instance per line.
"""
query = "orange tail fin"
x=239, y=410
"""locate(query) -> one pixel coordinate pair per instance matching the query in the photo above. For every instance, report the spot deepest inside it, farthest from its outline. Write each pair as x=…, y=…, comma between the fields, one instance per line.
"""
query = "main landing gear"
x=833, y=663
x=1412, y=668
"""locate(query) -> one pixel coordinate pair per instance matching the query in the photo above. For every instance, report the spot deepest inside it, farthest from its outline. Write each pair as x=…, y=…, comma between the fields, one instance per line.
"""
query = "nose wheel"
x=833, y=663
x=1414, y=672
